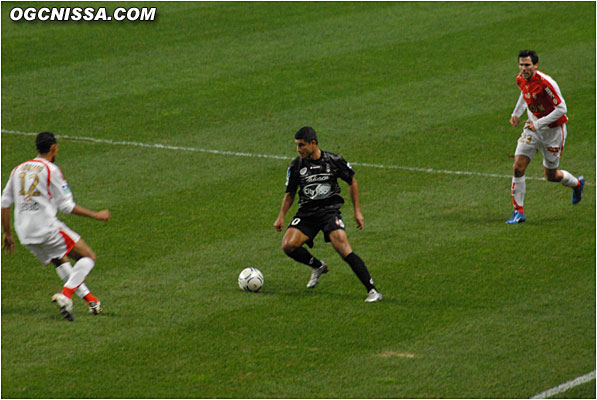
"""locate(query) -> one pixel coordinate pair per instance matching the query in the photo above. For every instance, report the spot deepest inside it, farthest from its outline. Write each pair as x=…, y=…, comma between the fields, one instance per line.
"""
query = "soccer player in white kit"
x=38, y=190
x=544, y=131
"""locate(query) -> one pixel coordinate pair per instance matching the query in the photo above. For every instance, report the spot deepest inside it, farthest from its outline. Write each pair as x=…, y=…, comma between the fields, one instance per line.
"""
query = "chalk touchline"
x=271, y=156
x=565, y=386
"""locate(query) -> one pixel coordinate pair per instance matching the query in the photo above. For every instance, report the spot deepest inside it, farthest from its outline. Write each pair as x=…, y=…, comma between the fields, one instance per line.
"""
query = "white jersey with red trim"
x=38, y=190
x=542, y=98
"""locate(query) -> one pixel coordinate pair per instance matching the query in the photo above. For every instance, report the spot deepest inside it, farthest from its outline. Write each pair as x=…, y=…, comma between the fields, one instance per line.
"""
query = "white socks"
x=569, y=180
x=519, y=187
x=79, y=272
x=64, y=272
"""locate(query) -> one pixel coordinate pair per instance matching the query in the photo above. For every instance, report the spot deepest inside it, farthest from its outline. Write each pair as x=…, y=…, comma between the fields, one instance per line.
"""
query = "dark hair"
x=44, y=142
x=529, y=53
x=307, y=134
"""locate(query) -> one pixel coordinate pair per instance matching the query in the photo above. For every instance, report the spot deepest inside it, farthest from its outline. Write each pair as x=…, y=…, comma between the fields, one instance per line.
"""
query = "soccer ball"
x=250, y=279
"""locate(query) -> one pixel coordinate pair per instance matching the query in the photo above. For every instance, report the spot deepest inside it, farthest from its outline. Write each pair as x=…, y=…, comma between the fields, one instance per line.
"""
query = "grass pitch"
x=472, y=307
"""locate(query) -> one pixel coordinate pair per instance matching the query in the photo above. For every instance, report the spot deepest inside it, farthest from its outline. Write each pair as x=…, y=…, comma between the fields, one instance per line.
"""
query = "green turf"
x=472, y=308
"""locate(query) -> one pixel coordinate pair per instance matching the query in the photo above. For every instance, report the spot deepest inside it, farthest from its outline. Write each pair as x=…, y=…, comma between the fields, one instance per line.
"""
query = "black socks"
x=303, y=256
x=360, y=270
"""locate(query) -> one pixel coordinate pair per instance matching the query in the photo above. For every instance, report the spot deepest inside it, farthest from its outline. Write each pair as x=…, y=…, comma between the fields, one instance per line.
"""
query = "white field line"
x=153, y=146
x=239, y=154
x=565, y=386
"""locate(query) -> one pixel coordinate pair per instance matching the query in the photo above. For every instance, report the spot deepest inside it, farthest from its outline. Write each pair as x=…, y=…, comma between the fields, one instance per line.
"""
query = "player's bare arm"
x=103, y=215
x=514, y=121
x=286, y=204
x=356, y=202
x=8, y=242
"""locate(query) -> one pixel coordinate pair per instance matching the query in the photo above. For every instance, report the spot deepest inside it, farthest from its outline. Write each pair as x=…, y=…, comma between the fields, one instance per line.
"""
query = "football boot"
x=516, y=218
x=316, y=275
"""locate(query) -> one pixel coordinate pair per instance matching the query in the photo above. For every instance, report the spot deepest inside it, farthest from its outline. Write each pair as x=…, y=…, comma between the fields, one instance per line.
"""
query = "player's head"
x=528, y=62
x=45, y=143
x=307, y=134
x=306, y=143
x=529, y=53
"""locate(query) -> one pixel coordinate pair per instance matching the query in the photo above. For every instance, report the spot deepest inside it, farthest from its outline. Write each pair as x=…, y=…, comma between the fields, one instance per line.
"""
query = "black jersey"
x=318, y=181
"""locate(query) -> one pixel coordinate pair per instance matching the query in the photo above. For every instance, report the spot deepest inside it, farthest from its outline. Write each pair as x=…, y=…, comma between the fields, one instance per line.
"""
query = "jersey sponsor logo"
x=317, y=191
x=287, y=176
x=536, y=108
x=303, y=171
x=66, y=189
x=317, y=178
x=29, y=205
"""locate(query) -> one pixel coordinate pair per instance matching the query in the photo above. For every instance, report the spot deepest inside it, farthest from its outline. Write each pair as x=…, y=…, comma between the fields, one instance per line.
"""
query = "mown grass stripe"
x=270, y=156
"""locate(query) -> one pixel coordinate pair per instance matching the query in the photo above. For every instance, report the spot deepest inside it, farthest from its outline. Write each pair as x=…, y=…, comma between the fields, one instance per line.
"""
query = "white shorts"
x=60, y=243
x=550, y=141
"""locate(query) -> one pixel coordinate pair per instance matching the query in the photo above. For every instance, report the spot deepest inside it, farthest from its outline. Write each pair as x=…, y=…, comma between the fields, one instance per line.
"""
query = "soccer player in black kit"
x=316, y=172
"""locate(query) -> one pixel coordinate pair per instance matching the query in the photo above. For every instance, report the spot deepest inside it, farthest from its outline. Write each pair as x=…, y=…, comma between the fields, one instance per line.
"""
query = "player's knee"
x=340, y=243
x=92, y=256
x=552, y=176
x=288, y=247
x=59, y=261
x=518, y=170
x=344, y=251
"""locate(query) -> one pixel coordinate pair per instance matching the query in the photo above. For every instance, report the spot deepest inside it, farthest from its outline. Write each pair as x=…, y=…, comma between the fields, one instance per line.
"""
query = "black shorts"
x=311, y=225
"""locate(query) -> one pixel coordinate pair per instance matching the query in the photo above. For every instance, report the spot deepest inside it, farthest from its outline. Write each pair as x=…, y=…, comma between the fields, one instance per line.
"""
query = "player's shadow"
x=325, y=294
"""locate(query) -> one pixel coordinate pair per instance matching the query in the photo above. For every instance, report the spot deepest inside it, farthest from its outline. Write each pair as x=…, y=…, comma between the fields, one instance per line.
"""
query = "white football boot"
x=95, y=308
x=374, y=295
x=316, y=275
x=65, y=304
